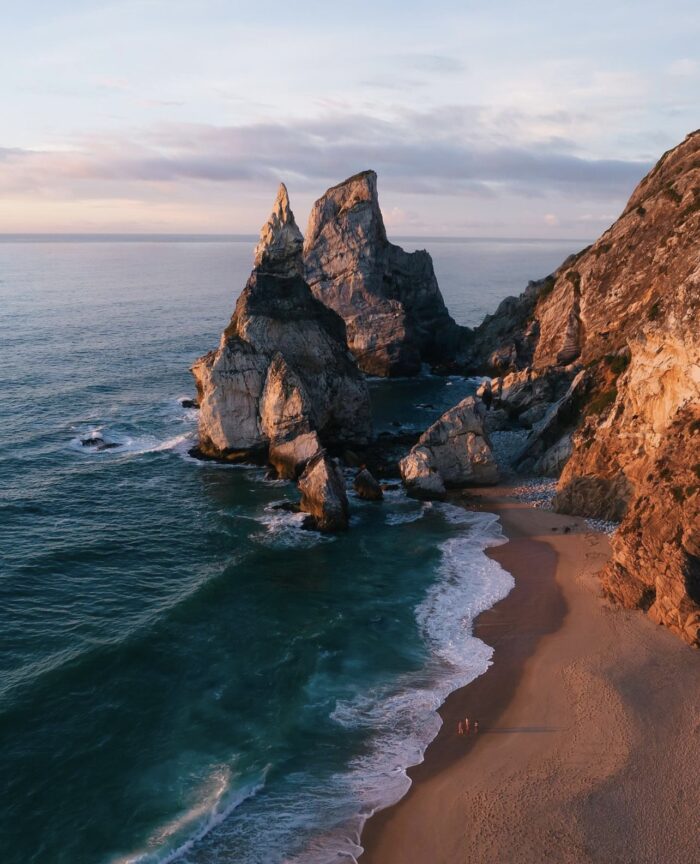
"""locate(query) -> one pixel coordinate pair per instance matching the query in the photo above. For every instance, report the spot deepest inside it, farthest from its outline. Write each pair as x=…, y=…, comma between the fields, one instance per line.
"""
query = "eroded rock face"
x=656, y=552
x=389, y=299
x=549, y=444
x=282, y=373
x=627, y=309
x=453, y=452
x=323, y=494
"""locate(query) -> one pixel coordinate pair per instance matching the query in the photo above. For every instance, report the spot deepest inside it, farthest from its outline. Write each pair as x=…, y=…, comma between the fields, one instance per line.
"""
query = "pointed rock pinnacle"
x=279, y=250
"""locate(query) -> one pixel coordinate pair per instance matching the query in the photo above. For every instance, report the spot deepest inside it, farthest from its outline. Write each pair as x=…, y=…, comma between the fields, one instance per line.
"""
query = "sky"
x=499, y=119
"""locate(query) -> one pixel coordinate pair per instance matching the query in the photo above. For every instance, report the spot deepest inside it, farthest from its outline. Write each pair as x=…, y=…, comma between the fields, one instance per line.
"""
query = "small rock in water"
x=98, y=443
x=323, y=495
x=189, y=403
x=367, y=487
x=287, y=506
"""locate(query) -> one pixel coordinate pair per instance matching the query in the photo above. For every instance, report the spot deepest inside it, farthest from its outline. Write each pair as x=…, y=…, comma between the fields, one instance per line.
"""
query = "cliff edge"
x=623, y=316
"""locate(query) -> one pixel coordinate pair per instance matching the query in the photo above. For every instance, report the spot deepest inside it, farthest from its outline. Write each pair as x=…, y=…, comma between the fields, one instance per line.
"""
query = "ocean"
x=185, y=674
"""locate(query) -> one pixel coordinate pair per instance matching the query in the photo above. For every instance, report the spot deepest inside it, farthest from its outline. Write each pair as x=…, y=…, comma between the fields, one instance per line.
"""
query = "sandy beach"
x=589, y=741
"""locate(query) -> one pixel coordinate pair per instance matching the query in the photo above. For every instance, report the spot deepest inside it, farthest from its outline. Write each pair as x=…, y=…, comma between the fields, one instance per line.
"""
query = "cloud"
x=448, y=152
x=684, y=68
x=440, y=63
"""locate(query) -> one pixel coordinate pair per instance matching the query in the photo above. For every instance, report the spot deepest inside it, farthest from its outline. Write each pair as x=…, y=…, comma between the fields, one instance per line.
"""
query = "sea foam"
x=400, y=718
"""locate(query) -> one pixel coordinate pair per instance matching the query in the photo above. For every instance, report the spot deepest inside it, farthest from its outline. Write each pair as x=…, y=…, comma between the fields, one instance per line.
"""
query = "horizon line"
x=136, y=236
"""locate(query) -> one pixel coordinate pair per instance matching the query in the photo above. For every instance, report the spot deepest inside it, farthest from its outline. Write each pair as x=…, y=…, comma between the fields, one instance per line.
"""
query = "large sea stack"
x=389, y=299
x=615, y=333
x=282, y=381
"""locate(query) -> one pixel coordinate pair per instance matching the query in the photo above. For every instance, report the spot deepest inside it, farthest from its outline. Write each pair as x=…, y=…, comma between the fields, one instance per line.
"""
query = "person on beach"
x=476, y=726
x=466, y=725
x=460, y=728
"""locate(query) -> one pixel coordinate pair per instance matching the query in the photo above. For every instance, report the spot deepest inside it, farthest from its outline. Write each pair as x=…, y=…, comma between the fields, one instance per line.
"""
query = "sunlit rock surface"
x=282, y=379
x=453, y=452
x=626, y=310
x=389, y=299
x=323, y=494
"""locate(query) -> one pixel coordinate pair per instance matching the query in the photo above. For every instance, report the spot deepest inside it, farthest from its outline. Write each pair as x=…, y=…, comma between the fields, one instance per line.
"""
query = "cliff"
x=389, y=299
x=624, y=315
x=282, y=381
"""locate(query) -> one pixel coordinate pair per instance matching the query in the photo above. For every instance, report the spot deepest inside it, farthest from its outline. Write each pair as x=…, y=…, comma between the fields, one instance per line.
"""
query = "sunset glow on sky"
x=179, y=116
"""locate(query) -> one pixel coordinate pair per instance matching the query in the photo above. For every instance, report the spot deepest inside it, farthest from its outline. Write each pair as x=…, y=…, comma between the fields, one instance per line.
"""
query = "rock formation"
x=627, y=310
x=282, y=381
x=453, y=452
x=323, y=495
x=389, y=299
x=367, y=487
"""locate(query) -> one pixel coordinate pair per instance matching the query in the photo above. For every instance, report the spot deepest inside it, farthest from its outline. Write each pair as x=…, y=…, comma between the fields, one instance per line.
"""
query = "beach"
x=589, y=724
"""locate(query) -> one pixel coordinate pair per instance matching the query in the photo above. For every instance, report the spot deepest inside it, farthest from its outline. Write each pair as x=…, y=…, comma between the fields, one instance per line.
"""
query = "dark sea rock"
x=367, y=487
x=98, y=443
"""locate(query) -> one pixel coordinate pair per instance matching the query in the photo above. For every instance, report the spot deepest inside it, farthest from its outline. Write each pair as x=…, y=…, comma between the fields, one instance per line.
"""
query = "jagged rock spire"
x=279, y=250
x=394, y=314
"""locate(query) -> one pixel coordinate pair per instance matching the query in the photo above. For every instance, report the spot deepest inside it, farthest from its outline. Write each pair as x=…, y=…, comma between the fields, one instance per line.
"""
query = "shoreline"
x=571, y=743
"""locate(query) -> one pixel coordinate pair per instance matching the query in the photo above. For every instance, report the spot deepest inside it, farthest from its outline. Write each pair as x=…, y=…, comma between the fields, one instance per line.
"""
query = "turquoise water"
x=185, y=674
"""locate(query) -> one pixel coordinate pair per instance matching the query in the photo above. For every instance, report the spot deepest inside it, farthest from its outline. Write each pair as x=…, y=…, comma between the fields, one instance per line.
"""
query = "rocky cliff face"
x=282, y=379
x=627, y=310
x=389, y=299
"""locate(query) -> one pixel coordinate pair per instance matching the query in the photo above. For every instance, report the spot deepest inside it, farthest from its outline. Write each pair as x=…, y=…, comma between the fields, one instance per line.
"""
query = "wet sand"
x=589, y=741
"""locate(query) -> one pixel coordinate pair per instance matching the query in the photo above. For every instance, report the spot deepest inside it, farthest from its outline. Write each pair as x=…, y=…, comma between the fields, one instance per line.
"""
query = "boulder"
x=420, y=475
x=453, y=452
x=282, y=369
x=389, y=299
x=367, y=487
x=323, y=494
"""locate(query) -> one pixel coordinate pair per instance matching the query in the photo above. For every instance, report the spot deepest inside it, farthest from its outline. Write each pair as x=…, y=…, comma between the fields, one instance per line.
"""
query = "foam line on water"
x=213, y=808
x=284, y=529
x=120, y=444
x=403, y=718
x=325, y=816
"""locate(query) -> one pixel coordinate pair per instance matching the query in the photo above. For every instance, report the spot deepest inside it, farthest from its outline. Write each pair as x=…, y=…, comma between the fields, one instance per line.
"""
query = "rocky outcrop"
x=505, y=341
x=549, y=444
x=323, y=495
x=626, y=310
x=367, y=487
x=453, y=452
x=389, y=299
x=282, y=379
